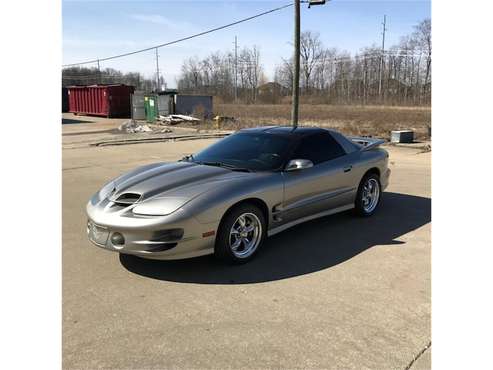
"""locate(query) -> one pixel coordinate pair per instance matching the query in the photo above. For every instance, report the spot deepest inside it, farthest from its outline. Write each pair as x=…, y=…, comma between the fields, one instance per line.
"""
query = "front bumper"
x=139, y=234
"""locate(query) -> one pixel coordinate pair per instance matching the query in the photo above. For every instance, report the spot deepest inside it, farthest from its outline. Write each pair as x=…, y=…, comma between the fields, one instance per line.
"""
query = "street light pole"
x=296, y=57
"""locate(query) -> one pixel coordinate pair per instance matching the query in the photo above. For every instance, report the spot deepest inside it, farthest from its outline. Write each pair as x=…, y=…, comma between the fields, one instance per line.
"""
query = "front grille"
x=161, y=247
x=128, y=198
x=169, y=235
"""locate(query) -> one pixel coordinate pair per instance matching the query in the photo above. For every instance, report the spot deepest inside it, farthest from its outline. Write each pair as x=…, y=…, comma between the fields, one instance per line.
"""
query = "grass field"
x=351, y=120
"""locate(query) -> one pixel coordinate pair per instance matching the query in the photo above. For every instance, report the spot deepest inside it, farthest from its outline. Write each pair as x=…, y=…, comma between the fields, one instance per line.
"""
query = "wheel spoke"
x=250, y=228
x=242, y=221
x=236, y=244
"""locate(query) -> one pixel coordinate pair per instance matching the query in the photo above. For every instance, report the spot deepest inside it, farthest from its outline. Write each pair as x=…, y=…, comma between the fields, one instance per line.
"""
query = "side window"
x=318, y=148
x=346, y=143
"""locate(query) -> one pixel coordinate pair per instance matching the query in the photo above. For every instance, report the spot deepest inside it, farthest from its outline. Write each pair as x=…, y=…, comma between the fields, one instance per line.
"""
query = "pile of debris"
x=174, y=119
x=132, y=127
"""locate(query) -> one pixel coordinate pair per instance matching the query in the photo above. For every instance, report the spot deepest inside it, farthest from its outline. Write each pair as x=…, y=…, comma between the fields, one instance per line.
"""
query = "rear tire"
x=240, y=234
x=368, y=195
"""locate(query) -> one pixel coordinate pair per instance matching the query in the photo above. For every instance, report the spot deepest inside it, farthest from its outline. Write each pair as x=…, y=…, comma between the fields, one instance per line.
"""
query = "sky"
x=95, y=29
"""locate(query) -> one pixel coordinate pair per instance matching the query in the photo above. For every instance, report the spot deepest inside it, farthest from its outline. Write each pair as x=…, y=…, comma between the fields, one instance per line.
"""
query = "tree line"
x=400, y=74
x=224, y=75
x=91, y=76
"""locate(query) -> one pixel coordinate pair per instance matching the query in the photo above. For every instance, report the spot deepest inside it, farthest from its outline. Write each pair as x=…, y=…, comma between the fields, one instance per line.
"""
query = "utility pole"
x=158, y=88
x=383, y=55
x=296, y=58
x=236, y=69
x=99, y=73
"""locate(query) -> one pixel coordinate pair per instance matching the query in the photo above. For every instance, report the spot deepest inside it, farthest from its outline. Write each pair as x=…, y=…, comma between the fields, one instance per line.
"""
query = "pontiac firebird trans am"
x=226, y=199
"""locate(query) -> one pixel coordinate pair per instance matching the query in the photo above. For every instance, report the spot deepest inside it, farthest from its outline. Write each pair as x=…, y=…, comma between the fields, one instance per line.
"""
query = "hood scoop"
x=127, y=199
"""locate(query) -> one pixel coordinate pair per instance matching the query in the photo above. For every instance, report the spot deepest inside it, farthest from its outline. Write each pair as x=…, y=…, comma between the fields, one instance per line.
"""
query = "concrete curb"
x=160, y=139
x=424, y=146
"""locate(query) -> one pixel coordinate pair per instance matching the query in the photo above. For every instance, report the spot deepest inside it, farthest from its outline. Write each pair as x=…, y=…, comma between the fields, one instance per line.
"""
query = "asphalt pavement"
x=337, y=292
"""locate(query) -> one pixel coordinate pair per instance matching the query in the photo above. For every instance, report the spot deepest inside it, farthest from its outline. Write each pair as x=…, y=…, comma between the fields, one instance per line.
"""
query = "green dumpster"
x=150, y=107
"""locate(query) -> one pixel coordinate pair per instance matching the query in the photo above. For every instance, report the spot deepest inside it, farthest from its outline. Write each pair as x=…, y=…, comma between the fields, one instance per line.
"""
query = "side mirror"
x=298, y=164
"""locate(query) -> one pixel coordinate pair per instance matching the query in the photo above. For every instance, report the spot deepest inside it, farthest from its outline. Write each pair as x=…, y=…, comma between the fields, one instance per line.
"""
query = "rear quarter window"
x=347, y=144
x=318, y=148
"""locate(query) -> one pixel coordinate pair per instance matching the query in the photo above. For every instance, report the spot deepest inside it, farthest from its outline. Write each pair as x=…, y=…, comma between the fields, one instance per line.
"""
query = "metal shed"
x=166, y=102
x=101, y=100
x=187, y=104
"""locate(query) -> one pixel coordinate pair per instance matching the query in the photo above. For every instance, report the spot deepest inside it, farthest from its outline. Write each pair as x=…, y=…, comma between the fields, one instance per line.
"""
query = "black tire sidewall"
x=358, y=204
x=222, y=249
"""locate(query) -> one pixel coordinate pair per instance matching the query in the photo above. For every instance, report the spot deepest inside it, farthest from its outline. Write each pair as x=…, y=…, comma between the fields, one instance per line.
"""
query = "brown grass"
x=351, y=120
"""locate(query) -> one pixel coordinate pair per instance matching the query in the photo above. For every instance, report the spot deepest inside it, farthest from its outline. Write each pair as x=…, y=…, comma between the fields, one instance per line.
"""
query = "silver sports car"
x=229, y=197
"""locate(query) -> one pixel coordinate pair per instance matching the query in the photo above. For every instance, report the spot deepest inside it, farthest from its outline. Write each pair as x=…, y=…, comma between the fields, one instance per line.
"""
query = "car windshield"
x=248, y=151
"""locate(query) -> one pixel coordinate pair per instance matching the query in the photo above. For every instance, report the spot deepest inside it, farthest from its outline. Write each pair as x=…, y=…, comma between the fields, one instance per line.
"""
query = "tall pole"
x=99, y=73
x=236, y=69
x=383, y=55
x=296, y=72
x=157, y=71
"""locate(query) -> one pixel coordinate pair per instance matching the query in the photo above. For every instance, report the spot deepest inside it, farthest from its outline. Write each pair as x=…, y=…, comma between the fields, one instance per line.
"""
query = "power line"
x=93, y=76
x=180, y=40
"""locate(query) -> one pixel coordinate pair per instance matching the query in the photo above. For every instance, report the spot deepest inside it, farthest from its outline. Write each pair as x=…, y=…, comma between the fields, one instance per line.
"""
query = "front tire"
x=240, y=234
x=368, y=196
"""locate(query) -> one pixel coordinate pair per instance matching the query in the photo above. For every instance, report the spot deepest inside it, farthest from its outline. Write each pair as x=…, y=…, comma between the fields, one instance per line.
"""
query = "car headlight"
x=160, y=206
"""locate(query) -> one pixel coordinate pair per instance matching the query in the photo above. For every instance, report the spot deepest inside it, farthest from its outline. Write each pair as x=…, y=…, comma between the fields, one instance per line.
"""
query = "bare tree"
x=311, y=54
x=328, y=75
x=215, y=75
x=422, y=36
x=91, y=76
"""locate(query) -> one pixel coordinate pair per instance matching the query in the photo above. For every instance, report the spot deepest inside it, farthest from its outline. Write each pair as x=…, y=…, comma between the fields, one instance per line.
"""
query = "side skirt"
x=278, y=229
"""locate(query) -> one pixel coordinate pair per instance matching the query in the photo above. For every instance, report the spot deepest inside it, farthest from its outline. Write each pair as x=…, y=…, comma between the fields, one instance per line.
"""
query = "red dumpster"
x=100, y=100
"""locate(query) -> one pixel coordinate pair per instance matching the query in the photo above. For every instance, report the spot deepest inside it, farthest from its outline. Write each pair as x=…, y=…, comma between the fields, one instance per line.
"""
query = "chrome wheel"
x=370, y=195
x=245, y=235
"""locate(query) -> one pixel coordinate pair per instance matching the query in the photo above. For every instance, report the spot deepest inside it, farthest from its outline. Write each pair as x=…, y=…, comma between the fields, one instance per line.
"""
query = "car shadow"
x=70, y=121
x=306, y=248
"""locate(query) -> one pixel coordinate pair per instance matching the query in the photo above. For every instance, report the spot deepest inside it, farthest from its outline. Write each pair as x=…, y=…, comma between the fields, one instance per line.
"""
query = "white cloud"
x=161, y=20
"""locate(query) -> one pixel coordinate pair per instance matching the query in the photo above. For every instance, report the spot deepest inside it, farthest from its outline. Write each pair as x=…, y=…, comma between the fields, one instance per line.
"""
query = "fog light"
x=117, y=239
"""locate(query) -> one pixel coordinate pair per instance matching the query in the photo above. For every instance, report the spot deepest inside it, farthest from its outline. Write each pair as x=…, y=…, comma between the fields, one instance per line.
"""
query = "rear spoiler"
x=366, y=143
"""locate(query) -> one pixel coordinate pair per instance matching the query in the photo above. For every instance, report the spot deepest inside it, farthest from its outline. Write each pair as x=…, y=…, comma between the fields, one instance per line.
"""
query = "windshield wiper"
x=225, y=165
x=187, y=158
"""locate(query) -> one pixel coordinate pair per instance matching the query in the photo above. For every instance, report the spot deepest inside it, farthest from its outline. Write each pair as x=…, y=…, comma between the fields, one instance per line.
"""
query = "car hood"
x=176, y=183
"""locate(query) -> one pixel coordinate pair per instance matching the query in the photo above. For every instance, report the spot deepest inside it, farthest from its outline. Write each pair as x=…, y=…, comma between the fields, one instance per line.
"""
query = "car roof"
x=294, y=132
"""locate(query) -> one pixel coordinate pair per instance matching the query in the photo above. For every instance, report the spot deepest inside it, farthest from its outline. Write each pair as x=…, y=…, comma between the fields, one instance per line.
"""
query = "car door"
x=325, y=186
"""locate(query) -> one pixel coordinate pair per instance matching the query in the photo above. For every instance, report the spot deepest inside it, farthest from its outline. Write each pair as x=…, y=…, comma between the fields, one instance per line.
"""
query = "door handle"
x=348, y=168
